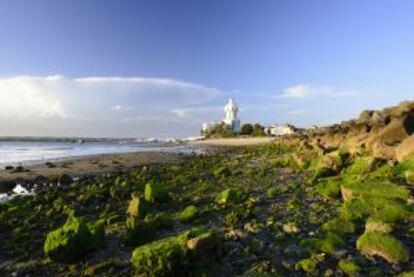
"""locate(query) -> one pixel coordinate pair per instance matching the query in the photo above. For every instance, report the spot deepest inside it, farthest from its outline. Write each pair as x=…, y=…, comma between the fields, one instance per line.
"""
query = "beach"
x=91, y=165
x=95, y=164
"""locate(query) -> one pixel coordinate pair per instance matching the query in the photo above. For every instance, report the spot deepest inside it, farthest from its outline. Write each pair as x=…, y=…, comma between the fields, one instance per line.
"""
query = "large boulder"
x=384, y=144
x=383, y=245
x=74, y=239
x=176, y=256
x=405, y=149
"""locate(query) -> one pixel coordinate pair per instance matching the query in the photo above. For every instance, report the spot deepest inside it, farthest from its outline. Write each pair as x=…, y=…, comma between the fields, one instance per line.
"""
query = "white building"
x=230, y=118
x=278, y=130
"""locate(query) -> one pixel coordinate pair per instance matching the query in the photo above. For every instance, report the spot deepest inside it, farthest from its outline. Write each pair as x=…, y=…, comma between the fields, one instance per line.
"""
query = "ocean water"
x=26, y=152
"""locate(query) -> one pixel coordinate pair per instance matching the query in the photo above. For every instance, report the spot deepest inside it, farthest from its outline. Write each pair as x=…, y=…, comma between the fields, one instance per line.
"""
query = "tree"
x=219, y=130
x=258, y=130
x=247, y=129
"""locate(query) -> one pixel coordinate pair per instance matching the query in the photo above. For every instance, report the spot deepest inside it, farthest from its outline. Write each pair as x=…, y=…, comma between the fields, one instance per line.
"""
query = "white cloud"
x=144, y=104
x=27, y=96
x=303, y=91
x=118, y=108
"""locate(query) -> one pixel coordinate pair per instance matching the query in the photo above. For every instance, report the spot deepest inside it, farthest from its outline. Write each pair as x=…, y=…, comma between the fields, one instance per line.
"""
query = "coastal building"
x=280, y=130
x=231, y=119
x=230, y=109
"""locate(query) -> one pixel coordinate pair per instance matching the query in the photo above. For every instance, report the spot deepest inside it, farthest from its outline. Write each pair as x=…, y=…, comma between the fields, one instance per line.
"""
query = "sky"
x=161, y=68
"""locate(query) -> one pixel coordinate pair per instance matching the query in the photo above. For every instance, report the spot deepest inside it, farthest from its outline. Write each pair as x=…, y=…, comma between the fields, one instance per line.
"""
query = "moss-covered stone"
x=374, y=224
x=309, y=265
x=155, y=192
x=230, y=196
x=384, y=190
x=75, y=238
x=188, y=214
x=137, y=207
x=407, y=274
x=349, y=267
x=329, y=188
x=339, y=226
x=170, y=256
x=385, y=210
x=363, y=166
x=326, y=245
x=383, y=245
x=222, y=171
x=409, y=177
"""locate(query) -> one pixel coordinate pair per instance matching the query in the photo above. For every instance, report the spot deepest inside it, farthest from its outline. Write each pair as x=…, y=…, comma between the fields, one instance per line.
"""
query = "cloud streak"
x=137, y=106
x=144, y=104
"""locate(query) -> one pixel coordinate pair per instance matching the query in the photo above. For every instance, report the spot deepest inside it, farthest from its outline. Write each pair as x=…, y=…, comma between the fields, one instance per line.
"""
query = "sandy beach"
x=234, y=141
x=91, y=165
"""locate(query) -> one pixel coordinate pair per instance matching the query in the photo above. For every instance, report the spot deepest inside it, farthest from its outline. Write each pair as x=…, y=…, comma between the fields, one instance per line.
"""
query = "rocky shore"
x=322, y=204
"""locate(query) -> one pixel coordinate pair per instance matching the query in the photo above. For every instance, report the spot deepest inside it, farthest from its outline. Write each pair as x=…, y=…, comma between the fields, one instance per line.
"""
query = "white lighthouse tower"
x=231, y=119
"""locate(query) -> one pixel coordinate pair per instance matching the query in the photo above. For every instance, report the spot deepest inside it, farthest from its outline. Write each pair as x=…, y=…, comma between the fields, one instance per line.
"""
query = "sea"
x=29, y=151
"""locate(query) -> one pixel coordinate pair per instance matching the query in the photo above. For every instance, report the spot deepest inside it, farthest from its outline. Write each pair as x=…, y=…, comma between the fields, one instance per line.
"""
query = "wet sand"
x=92, y=165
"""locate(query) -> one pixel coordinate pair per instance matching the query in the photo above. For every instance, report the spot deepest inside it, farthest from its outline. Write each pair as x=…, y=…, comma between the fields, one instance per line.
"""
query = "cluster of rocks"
x=386, y=134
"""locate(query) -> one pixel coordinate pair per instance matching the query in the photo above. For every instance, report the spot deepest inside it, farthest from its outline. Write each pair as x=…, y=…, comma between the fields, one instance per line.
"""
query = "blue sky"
x=161, y=68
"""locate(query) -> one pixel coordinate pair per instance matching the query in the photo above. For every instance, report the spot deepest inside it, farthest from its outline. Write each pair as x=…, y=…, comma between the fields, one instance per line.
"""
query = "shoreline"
x=92, y=164
x=95, y=164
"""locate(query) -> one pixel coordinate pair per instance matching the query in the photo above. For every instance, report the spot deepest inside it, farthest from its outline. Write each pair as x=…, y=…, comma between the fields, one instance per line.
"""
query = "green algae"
x=75, y=238
x=384, y=246
x=188, y=214
x=155, y=192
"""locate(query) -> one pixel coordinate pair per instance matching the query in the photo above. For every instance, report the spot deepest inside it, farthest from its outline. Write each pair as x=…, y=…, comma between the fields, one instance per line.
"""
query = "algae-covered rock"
x=155, y=192
x=222, y=171
x=329, y=188
x=382, y=209
x=383, y=245
x=384, y=190
x=407, y=274
x=188, y=214
x=409, y=177
x=310, y=265
x=326, y=245
x=137, y=207
x=363, y=165
x=73, y=239
x=349, y=267
x=376, y=225
x=230, y=196
x=172, y=256
x=339, y=226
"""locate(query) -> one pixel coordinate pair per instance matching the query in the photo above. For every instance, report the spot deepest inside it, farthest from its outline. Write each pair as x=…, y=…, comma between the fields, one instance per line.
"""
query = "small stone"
x=290, y=228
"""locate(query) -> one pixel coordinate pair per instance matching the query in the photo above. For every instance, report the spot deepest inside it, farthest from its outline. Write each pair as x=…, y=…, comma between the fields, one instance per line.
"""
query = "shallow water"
x=15, y=152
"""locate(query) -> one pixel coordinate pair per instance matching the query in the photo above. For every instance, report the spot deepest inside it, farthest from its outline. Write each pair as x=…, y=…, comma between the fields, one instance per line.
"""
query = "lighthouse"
x=231, y=119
